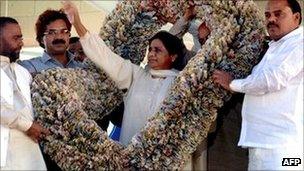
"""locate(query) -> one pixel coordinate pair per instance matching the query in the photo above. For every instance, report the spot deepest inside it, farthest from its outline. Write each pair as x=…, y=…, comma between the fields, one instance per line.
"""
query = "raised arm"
x=181, y=26
x=120, y=70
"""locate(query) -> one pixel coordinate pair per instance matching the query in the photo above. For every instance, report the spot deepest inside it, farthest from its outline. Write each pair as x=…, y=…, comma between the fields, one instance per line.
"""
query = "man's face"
x=76, y=50
x=279, y=19
x=56, y=38
x=11, y=41
x=203, y=33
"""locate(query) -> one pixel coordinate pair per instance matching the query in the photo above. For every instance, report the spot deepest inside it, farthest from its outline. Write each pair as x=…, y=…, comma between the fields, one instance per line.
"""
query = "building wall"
x=26, y=13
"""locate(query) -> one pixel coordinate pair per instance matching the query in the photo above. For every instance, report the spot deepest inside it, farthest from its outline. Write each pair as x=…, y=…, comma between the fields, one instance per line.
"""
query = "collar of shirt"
x=4, y=59
x=293, y=33
x=163, y=73
x=9, y=68
x=5, y=62
x=46, y=57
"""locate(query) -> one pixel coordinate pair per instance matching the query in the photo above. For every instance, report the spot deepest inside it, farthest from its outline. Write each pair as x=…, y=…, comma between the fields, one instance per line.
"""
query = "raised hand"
x=72, y=13
x=70, y=10
x=147, y=5
x=190, y=12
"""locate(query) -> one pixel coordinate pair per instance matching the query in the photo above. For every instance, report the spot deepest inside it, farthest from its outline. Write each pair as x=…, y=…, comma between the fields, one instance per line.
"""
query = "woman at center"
x=146, y=87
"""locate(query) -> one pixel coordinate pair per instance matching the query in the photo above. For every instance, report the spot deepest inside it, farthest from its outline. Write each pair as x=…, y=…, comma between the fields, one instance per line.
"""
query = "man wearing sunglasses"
x=52, y=33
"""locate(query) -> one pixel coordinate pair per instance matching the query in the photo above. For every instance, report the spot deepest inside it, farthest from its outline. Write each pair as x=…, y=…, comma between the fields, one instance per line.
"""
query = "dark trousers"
x=223, y=152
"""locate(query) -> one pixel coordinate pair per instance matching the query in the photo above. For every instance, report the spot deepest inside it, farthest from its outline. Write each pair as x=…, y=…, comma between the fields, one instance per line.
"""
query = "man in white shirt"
x=19, y=133
x=272, y=114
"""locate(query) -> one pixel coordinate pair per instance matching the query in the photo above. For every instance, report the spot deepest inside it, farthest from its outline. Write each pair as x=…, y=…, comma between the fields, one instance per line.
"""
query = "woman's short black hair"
x=173, y=45
x=295, y=7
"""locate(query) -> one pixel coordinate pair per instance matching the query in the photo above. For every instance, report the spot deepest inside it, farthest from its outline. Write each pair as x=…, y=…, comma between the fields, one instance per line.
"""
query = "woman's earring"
x=173, y=58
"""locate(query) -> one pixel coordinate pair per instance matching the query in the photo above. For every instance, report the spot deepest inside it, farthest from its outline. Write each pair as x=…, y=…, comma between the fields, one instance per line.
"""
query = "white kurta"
x=273, y=105
x=272, y=114
x=22, y=153
x=147, y=88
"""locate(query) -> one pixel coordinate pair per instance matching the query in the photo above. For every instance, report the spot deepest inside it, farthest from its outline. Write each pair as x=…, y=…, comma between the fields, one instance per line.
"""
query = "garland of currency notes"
x=67, y=101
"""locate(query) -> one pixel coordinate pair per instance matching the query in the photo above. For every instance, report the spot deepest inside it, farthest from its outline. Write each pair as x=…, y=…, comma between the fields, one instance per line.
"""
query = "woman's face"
x=158, y=56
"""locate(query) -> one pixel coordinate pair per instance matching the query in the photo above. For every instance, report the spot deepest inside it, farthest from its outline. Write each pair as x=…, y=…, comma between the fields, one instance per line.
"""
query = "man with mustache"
x=272, y=114
x=19, y=132
x=52, y=33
